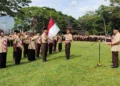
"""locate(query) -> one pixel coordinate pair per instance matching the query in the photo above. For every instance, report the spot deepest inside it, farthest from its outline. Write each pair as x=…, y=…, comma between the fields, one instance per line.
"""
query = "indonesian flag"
x=53, y=29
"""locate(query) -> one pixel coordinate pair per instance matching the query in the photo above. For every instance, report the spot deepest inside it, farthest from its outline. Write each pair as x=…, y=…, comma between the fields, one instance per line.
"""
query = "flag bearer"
x=44, y=44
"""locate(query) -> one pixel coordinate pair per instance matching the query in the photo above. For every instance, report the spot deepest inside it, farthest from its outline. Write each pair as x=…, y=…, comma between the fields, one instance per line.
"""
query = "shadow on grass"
x=56, y=52
x=21, y=63
x=71, y=57
x=9, y=61
x=111, y=62
x=13, y=60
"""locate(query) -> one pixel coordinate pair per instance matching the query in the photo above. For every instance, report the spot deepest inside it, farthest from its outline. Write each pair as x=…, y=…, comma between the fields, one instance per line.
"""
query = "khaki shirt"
x=38, y=40
x=50, y=40
x=2, y=49
x=14, y=37
x=10, y=38
x=34, y=38
x=25, y=39
x=44, y=38
x=59, y=39
x=68, y=38
x=55, y=38
x=31, y=44
x=116, y=39
x=18, y=42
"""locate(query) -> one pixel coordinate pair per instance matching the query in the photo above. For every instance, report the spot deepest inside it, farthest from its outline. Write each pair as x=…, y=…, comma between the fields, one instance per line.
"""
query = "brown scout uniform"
x=25, y=45
x=55, y=43
x=18, y=50
x=38, y=46
x=44, y=46
x=50, y=41
x=3, y=51
x=14, y=46
x=59, y=43
x=32, y=48
x=115, y=49
x=68, y=39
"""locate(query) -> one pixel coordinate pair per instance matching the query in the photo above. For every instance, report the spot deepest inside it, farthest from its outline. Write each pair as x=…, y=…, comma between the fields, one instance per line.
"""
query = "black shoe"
x=44, y=60
x=114, y=67
x=67, y=59
x=111, y=65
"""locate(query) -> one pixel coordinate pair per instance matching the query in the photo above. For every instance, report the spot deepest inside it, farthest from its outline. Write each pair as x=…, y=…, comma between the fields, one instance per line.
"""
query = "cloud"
x=73, y=3
x=75, y=8
x=79, y=8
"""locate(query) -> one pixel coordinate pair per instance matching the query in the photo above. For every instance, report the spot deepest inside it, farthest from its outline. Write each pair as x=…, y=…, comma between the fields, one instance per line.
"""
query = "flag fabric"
x=53, y=29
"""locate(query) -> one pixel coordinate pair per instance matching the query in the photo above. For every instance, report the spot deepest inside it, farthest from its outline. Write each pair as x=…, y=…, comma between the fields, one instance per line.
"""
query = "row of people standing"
x=33, y=45
x=92, y=38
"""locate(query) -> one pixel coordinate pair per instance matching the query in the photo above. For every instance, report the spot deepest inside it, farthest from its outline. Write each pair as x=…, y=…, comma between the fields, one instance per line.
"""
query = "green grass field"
x=78, y=71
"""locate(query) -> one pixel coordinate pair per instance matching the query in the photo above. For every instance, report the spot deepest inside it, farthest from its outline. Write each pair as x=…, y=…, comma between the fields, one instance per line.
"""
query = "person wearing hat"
x=38, y=45
x=17, y=48
x=68, y=40
x=115, y=47
x=44, y=48
x=3, y=50
x=14, y=37
x=25, y=43
x=32, y=47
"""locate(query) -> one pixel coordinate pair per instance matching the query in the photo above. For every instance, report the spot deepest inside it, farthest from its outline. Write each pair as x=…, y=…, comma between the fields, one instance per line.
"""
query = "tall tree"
x=115, y=2
x=39, y=17
x=10, y=7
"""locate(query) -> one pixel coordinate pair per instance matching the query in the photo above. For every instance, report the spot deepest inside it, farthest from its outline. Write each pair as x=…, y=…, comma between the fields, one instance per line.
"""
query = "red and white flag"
x=53, y=29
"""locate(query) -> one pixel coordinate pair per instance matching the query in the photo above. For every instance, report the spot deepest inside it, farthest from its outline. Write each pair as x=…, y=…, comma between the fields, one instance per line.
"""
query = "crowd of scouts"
x=91, y=38
x=32, y=45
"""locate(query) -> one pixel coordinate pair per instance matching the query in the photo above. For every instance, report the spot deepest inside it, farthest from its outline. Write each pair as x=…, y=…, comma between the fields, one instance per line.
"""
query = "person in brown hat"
x=115, y=47
x=38, y=45
x=18, y=48
x=14, y=45
x=25, y=43
x=44, y=45
x=3, y=49
x=68, y=40
x=32, y=47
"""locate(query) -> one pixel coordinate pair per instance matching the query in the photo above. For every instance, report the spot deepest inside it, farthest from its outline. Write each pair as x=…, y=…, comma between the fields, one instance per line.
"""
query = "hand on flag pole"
x=108, y=43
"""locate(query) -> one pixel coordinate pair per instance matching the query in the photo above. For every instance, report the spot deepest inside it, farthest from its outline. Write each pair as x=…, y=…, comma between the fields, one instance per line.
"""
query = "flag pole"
x=99, y=60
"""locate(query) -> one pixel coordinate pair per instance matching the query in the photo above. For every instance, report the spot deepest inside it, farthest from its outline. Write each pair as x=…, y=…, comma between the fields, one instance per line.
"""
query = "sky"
x=75, y=8
x=6, y=23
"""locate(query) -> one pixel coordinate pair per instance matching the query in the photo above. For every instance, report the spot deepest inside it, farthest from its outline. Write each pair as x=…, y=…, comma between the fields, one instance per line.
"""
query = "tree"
x=115, y=2
x=11, y=7
x=105, y=12
x=41, y=15
x=102, y=20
